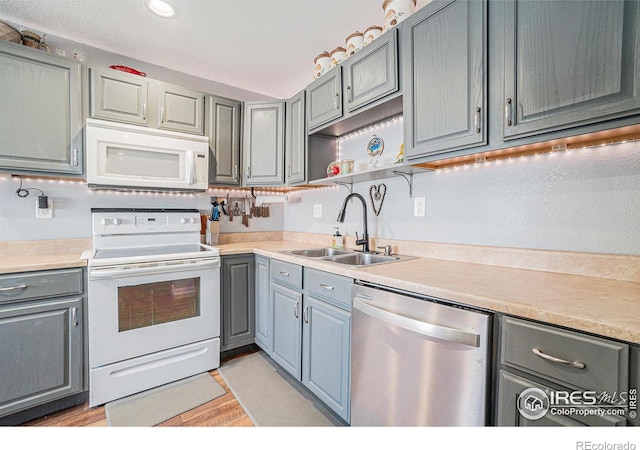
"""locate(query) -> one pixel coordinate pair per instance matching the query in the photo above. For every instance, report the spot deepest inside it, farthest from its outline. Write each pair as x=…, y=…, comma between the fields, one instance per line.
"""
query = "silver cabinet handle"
x=75, y=157
x=305, y=314
x=284, y=274
x=74, y=316
x=553, y=359
x=13, y=288
x=326, y=286
x=349, y=94
x=476, y=120
x=337, y=100
x=235, y=171
x=289, y=171
x=507, y=112
x=248, y=172
x=295, y=309
x=144, y=111
x=162, y=114
x=417, y=326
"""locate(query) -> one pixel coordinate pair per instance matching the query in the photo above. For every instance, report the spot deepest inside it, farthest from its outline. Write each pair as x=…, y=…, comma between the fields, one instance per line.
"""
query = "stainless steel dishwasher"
x=417, y=361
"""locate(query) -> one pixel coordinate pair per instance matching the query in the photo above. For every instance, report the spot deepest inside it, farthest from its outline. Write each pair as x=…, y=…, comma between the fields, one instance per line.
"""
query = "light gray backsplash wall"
x=72, y=203
x=585, y=200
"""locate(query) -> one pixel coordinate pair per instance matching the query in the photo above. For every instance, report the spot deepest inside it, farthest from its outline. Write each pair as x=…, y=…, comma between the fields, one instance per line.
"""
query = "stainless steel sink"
x=319, y=252
x=362, y=259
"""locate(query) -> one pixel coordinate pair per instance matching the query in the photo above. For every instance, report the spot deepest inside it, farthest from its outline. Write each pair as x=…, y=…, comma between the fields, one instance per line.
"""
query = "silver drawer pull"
x=285, y=274
x=13, y=288
x=326, y=286
x=553, y=359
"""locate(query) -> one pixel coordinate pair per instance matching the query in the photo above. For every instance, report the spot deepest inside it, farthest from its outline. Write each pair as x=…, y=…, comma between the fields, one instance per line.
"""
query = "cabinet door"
x=324, y=98
x=180, y=109
x=264, y=310
x=372, y=73
x=223, y=129
x=326, y=353
x=41, y=114
x=119, y=96
x=510, y=386
x=41, y=352
x=238, y=301
x=569, y=63
x=444, y=69
x=296, y=140
x=264, y=144
x=287, y=328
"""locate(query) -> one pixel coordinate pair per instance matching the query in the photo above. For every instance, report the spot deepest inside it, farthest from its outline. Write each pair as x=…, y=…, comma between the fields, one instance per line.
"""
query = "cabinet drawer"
x=328, y=286
x=286, y=273
x=605, y=362
x=33, y=285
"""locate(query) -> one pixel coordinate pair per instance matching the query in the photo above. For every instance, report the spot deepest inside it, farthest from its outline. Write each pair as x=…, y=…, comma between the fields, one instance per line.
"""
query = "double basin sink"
x=348, y=257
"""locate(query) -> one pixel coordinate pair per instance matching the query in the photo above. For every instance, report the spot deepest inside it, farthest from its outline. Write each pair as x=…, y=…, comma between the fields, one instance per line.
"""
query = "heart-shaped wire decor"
x=376, y=194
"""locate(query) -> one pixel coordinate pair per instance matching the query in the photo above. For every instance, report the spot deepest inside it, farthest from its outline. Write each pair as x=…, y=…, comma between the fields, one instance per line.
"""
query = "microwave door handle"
x=191, y=167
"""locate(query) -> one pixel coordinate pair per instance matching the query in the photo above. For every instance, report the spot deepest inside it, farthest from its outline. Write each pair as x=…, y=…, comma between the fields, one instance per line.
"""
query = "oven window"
x=150, y=304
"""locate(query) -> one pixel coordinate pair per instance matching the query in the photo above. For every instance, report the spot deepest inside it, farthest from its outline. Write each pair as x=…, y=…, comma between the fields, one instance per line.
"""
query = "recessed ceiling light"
x=161, y=8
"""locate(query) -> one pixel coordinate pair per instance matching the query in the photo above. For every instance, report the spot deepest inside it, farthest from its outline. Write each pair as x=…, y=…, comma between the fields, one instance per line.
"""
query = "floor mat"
x=269, y=398
x=154, y=406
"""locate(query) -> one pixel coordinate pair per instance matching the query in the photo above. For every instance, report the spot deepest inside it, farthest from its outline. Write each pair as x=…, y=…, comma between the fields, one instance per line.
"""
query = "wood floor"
x=224, y=411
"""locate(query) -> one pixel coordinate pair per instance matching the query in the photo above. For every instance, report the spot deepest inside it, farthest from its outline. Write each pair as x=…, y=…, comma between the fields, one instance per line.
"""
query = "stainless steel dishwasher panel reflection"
x=415, y=362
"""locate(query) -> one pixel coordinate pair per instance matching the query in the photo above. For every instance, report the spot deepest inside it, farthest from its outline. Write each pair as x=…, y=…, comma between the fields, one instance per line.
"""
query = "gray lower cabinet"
x=372, y=72
x=569, y=64
x=237, y=283
x=223, y=129
x=558, y=363
x=287, y=328
x=129, y=98
x=445, y=77
x=264, y=321
x=296, y=140
x=41, y=116
x=41, y=330
x=263, y=143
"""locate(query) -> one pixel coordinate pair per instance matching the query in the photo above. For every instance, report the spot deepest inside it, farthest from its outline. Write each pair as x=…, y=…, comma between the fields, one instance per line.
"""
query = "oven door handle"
x=100, y=274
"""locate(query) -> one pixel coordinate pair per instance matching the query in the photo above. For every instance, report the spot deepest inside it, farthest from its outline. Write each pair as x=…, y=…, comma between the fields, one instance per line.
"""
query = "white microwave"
x=130, y=157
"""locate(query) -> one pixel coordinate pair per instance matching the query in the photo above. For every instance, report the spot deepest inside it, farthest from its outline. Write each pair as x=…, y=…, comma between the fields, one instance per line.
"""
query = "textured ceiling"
x=264, y=46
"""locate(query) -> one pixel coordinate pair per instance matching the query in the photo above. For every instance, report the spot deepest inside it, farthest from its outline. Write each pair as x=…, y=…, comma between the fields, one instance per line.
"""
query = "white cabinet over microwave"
x=121, y=156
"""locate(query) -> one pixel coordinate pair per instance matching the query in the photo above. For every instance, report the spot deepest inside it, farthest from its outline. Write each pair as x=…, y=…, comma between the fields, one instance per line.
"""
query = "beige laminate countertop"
x=595, y=305
x=28, y=263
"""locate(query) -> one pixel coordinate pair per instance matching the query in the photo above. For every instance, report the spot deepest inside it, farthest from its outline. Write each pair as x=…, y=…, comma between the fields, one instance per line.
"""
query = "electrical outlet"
x=418, y=207
x=44, y=213
x=317, y=211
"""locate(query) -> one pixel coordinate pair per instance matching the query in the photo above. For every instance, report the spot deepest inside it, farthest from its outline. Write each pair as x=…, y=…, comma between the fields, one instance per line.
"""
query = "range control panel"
x=112, y=221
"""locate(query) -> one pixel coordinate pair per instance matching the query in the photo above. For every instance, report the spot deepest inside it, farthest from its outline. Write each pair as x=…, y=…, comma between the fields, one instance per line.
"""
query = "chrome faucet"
x=365, y=236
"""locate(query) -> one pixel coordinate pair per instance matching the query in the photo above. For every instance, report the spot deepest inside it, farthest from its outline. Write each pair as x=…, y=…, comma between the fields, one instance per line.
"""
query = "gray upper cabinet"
x=263, y=143
x=372, y=73
x=569, y=63
x=324, y=98
x=223, y=129
x=445, y=77
x=124, y=97
x=41, y=114
x=296, y=140
x=180, y=109
x=119, y=96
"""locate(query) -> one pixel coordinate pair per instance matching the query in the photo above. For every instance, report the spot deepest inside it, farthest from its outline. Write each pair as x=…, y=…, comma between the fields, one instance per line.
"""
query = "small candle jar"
x=338, y=55
x=323, y=61
x=395, y=11
x=355, y=41
x=371, y=33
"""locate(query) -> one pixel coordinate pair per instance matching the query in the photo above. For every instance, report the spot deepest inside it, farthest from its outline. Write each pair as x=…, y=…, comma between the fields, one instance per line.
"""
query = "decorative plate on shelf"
x=375, y=146
x=128, y=70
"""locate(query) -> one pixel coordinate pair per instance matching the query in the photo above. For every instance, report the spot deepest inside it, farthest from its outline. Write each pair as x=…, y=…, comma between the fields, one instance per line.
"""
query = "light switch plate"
x=317, y=210
x=418, y=207
x=44, y=213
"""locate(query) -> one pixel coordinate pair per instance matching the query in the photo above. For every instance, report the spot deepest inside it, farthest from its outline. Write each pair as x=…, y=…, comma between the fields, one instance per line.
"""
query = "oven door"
x=139, y=309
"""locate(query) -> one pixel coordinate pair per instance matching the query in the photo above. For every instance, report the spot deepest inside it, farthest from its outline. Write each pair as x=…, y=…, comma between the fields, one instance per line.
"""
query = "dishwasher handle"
x=417, y=326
